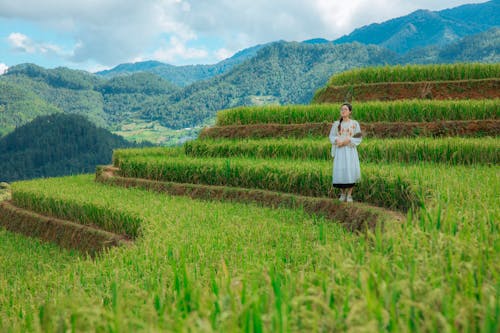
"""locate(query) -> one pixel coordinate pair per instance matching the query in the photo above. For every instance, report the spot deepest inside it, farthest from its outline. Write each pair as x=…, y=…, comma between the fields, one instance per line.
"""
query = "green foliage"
x=93, y=212
x=228, y=267
x=18, y=106
x=60, y=77
x=138, y=83
x=450, y=151
x=379, y=186
x=278, y=73
x=482, y=47
x=407, y=110
x=56, y=145
x=412, y=73
x=84, y=102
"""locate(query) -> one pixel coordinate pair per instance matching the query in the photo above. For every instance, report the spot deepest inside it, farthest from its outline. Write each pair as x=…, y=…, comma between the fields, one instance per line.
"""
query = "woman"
x=345, y=135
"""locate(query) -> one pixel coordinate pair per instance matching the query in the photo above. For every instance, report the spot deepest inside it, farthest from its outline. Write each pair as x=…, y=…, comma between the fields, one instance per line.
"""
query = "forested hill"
x=56, y=145
x=281, y=73
x=424, y=28
x=182, y=75
x=137, y=102
x=482, y=47
x=19, y=104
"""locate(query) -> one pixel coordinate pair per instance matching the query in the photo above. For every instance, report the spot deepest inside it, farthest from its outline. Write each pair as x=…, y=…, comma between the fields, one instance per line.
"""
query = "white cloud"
x=21, y=42
x=25, y=44
x=112, y=31
x=176, y=50
x=223, y=53
x=3, y=68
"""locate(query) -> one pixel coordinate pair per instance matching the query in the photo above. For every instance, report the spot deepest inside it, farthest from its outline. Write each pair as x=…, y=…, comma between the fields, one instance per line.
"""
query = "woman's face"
x=344, y=111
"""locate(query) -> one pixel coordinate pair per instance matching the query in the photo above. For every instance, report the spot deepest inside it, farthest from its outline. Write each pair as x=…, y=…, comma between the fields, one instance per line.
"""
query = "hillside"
x=424, y=28
x=145, y=106
x=137, y=102
x=283, y=72
x=18, y=105
x=182, y=75
x=56, y=145
x=482, y=47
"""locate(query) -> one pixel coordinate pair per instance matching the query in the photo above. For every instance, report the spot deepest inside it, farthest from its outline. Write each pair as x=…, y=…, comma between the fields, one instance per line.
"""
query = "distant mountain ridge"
x=134, y=99
x=424, y=28
x=182, y=75
x=482, y=47
x=420, y=29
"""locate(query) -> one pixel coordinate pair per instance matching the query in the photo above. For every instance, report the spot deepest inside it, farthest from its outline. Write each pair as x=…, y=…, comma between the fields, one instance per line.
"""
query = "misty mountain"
x=424, y=28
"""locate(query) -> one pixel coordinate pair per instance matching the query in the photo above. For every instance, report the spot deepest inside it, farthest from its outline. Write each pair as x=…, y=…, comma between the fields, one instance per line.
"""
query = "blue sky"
x=99, y=34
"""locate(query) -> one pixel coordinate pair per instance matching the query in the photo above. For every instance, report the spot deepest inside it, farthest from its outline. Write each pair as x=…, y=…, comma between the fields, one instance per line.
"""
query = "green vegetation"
x=19, y=105
x=202, y=264
x=411, y=73
x=396, y=111
x=381, y=185
x=138, y=83
x=443, y=150
x=86, y=210
x=231, y=267
x=57, y=144
x=279, y=73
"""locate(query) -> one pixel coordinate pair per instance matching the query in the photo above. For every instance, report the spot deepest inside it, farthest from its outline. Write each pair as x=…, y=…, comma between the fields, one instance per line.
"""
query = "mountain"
x=483, y=47
x=182, y=75
x=106, y=102
x=424, y=28
x=137, y=103
x=280, y=73
x=56, y=145
x=19, y=105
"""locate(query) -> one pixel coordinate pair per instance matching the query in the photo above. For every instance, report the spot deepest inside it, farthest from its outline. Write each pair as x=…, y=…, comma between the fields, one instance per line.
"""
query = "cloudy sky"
x=99, y=34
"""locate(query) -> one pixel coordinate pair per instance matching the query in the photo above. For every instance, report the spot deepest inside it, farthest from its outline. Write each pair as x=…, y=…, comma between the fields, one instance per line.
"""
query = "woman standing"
x=345, y=136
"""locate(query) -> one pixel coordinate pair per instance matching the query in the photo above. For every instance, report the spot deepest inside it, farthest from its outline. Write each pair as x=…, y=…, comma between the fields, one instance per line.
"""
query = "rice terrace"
x=240, y=230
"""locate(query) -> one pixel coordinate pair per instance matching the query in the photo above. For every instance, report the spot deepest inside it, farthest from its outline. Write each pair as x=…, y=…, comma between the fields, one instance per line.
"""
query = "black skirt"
x=344, y=185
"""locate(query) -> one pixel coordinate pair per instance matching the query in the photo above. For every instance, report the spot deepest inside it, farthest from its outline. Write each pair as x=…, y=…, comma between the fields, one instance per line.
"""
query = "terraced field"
x=240, y=230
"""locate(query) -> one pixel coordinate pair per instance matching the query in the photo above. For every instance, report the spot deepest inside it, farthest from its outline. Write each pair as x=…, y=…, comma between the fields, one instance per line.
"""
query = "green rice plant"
x=92, y=212
x=412, y=73
x=395, y=111
x=153, y=151
x=440, y=150
x=207, y=266
x=382, y=187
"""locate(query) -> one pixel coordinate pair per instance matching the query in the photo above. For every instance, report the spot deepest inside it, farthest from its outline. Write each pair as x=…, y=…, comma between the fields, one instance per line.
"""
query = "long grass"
x=202, y=266
x=441, y=150
x=395, y=111
x=223, y=267
x=385, y=187
x=412, y=73
x=154, y=151
x=93, y=212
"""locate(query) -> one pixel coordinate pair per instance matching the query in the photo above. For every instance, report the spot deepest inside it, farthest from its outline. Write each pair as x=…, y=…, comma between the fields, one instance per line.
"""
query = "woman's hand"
x=344, y=142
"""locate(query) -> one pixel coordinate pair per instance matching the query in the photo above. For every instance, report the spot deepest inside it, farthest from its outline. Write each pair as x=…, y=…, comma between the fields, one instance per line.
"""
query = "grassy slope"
x=223, y=266
x=201, y=266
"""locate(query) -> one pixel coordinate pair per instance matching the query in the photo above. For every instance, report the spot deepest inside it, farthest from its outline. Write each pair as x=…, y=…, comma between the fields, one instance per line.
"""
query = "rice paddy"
x=210, y=266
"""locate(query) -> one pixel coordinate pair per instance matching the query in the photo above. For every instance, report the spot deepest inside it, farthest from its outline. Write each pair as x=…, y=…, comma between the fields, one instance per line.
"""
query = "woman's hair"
x=349, y=106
